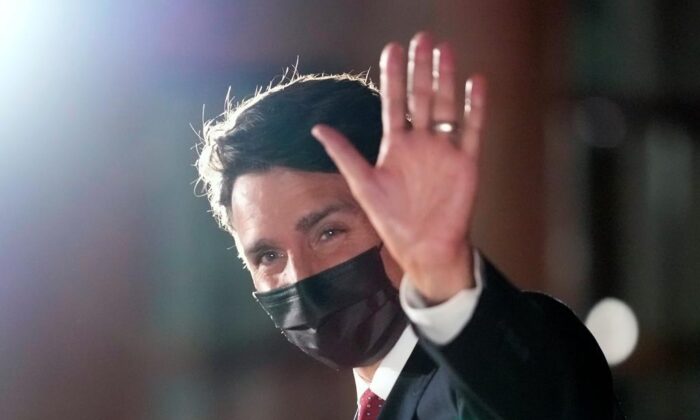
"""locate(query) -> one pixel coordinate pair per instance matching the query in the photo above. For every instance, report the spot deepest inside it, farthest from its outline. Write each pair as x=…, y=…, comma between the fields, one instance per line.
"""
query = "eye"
x=266, y=258
x=329, y=234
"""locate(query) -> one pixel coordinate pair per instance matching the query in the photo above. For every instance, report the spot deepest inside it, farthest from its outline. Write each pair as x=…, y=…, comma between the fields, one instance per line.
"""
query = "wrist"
x=438, y=280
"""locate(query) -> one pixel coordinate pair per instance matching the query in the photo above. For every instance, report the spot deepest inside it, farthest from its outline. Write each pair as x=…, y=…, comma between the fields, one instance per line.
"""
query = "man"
x=354, y=224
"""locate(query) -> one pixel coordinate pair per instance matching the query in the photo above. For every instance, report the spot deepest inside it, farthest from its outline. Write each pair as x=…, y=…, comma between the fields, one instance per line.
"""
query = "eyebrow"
x=257, y=247
x=304, y=224
x=310, y=220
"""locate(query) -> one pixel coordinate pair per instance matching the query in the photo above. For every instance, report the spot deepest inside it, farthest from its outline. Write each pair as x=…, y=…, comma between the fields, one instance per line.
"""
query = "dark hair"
x=273, y=129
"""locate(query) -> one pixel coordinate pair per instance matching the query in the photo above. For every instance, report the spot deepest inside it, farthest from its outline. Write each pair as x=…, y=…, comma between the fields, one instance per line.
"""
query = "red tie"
x=370, y=406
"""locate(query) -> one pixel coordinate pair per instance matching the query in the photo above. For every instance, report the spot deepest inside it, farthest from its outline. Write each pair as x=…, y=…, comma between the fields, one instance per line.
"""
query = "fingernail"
x=480, y=94
x=317, y=131
x=445, y=50
x=421, y=36
x=419, y=39
x=388, y=51
x=476, y=90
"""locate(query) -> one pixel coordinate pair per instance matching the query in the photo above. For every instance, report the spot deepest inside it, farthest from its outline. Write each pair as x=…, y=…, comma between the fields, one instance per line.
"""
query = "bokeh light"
x=615, y=327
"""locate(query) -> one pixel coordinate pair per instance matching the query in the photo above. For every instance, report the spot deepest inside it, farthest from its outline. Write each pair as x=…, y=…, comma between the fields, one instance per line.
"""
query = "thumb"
x=351, y=164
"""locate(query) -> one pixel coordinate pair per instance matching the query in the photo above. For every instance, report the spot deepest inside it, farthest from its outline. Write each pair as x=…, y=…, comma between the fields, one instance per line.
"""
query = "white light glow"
x=614, y=326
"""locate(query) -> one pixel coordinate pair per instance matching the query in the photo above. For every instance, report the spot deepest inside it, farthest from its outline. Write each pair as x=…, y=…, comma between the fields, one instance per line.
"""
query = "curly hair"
x=273, y=129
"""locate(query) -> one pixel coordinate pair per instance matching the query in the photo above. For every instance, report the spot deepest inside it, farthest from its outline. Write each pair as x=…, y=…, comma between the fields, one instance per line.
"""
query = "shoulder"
x=551, y=307
x=561, y=318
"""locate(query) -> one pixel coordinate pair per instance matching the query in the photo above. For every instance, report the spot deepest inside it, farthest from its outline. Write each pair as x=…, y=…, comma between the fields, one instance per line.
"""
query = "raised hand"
x=420, y=195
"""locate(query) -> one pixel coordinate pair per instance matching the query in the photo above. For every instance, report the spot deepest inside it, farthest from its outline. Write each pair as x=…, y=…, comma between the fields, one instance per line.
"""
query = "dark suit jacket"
x=522, y=356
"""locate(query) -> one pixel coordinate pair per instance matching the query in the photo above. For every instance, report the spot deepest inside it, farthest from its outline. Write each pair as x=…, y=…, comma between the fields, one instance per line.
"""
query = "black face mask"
x=346, y=316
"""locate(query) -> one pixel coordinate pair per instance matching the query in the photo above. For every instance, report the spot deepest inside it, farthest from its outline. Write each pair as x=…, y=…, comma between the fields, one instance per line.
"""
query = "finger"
x=392, y=87
x=474, y=114
x=444, y=108
x=351, y=164
x=420, y=79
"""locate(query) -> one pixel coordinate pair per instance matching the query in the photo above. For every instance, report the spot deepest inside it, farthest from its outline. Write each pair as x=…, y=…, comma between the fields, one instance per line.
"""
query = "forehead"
x=278, y=197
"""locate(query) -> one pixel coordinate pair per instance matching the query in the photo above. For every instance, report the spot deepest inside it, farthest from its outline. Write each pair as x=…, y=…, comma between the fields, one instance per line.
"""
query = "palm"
x=421, y=193
x=420, y=196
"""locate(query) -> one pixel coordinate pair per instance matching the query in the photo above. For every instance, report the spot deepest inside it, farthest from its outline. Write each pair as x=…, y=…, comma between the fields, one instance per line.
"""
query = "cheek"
x=268, y=279
x=263, y=285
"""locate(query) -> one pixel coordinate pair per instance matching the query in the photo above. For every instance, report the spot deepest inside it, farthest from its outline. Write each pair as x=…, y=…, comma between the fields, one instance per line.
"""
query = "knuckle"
x=444, y=95
x=421, y=92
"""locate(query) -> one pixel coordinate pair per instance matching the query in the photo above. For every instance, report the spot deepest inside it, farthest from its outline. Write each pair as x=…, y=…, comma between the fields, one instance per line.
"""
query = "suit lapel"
x=409, y=387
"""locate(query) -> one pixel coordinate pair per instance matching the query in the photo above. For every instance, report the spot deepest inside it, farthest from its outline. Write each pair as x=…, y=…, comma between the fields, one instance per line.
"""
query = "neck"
x=367, y=372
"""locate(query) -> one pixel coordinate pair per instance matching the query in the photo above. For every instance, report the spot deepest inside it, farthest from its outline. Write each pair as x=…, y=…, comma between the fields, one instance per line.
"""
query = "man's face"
x=291, y=224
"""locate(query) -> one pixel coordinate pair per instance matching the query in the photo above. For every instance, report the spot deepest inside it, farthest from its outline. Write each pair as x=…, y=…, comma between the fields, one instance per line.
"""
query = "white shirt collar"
x=390, y=367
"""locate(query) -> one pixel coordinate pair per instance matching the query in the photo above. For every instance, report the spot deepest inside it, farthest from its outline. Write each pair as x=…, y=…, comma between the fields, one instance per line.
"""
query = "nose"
x=299, y=266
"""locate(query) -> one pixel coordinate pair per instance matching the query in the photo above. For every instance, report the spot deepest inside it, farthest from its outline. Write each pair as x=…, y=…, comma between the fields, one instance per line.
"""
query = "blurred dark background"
x=121, y=299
